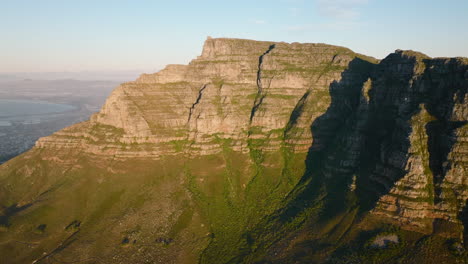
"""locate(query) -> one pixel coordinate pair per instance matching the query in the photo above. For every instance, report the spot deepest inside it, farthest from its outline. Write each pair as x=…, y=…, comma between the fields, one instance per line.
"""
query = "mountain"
x=254, y=152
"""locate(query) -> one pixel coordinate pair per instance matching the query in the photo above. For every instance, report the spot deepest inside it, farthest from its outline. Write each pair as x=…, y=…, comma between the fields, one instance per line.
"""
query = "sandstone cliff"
x=254, y=151
x=236, y=89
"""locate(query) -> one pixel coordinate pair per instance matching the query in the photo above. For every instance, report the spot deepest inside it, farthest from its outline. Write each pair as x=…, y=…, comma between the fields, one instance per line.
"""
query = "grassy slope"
x=224, y=208
x=172, y=209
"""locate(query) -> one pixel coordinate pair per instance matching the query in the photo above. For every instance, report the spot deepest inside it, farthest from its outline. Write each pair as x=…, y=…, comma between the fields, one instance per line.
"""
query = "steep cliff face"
x=254, y=151
x=432, y=180
x=397, y=156
x=236, y=89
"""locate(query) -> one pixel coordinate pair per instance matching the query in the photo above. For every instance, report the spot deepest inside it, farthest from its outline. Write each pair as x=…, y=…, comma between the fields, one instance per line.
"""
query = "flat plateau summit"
x=254, y=152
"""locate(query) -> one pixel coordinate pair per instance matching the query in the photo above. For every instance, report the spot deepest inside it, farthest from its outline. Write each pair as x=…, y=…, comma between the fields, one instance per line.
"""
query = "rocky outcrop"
x=387, y=150
x=237, y=89
x=430, y=118
x=251, y=151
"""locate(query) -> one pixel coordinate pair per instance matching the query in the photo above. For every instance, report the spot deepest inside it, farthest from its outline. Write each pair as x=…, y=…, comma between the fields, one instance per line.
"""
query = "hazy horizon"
x=144, y=36
x=69, y=75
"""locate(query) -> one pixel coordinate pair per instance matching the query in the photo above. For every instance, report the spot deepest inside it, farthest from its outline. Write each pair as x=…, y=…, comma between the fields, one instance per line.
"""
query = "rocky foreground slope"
x=254, y=152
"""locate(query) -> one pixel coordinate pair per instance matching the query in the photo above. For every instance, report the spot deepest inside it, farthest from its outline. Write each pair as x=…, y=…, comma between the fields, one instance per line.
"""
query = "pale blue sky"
x=93, y=35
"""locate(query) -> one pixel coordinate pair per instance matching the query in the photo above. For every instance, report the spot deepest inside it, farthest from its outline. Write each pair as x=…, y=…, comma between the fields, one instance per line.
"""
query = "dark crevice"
x=327, y=67
x=257, y=104
x=200, y=94
x=333, y=59
x=260, y=93
x=259, y=71
x=296, y=113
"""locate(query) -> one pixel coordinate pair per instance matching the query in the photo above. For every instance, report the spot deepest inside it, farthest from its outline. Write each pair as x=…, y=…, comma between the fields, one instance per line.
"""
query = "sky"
x=139, y=35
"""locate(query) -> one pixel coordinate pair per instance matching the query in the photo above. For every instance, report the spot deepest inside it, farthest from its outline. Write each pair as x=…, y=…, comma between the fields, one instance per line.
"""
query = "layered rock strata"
x=225, y=158
x=236, y=89
x=423, y=153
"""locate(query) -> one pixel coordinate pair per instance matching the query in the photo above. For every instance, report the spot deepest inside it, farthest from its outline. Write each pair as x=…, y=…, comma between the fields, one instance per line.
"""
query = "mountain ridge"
x=254, y=152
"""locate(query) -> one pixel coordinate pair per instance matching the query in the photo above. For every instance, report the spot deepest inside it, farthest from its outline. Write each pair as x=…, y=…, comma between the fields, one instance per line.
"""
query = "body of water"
x=28, y=111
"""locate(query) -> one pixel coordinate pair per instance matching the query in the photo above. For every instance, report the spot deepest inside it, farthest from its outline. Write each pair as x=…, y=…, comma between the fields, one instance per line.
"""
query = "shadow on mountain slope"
x=360, y=150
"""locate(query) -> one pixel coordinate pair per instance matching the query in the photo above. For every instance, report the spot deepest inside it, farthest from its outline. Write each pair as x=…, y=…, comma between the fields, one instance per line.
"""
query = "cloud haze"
x=340, y=9
x=141, y=35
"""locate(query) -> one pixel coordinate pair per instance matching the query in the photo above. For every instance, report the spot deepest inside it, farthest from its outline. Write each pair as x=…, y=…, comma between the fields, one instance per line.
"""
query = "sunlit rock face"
x=237, y=89
x=254, y=151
